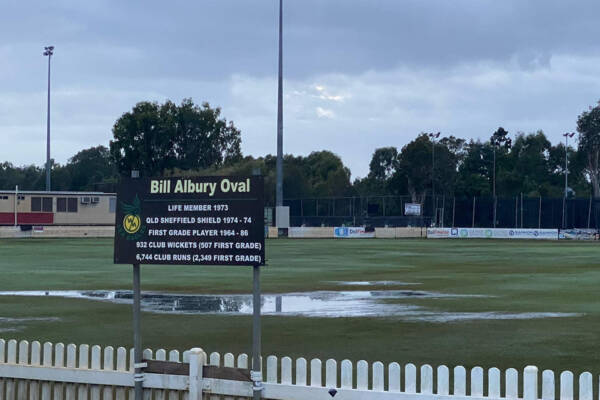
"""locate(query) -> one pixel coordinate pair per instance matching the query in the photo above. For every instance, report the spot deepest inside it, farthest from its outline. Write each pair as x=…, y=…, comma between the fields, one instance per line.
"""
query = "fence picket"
x=84, y=363
x=47, y=362
x=2, y=361
x=378, y=376
x=346, y=374
x=443, y=380
x=120, y=393
x=11, y=358
x=228, y=361
x=272, y=369
x=394, y=376
x=160, y=355
x=96, y=365
x=34, y=386
x=23, y=360
x=362, y=375
x=494, y=383
x=460, y=381
x=215, y=360
x=315, y=372
x=548, y=385
x=530, y=383
x=331, y=373
x=147, y=355
x=174, y=357
x=426, y=379
x=512, y=383
x=585, y=386
x=410, y=378
x=566, y=385
x=186, y=356
x=286, y=371
x=477, y=382
x=130, y=391
x=70, y=388
x=301, y=371
x=59, y=361
x=108, y=365
x=242, y=361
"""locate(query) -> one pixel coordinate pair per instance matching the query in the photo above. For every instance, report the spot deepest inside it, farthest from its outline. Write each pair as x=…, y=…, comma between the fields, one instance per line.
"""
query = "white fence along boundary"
x=31, y=371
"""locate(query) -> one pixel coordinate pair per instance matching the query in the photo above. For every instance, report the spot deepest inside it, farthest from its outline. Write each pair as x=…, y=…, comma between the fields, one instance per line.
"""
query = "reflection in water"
x=375, y=303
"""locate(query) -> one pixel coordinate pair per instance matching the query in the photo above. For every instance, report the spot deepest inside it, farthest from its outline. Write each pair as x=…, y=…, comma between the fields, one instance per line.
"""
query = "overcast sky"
x=358, y=74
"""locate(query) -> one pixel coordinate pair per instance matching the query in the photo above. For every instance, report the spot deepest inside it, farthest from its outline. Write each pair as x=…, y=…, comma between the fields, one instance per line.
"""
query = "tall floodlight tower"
x=48, y=51
x=282, y=213
x=279, y=194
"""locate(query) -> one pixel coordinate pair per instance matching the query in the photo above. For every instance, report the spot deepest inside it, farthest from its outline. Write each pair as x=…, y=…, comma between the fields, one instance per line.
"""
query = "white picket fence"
x=58, y=372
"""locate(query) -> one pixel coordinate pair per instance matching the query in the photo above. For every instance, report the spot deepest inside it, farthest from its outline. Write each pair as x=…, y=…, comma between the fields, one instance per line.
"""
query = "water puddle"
x=329, y=304
x=374, y=283
x=18, y=324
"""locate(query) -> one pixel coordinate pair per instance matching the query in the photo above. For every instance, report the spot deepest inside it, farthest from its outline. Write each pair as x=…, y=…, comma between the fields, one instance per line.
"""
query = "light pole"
x=564, y=213
x=433, y=136
x=499, y=138
x=279, y=165
x=48, y=51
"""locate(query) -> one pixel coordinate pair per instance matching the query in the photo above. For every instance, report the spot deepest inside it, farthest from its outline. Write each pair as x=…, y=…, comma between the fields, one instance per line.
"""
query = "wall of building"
x=58, y=232
x=87, y=214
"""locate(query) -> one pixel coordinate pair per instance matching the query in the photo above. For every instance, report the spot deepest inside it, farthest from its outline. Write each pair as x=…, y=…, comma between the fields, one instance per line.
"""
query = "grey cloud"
x=401, y=66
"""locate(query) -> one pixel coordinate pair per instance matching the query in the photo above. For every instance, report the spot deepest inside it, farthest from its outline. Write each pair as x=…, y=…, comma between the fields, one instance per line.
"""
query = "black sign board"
x=208, y=220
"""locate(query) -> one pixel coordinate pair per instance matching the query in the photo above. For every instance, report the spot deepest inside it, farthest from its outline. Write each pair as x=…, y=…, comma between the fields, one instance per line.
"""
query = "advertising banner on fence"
x=352, y=233
x=439, y=233
x=491, y=233
x=579, y=234
x=412, y=209
x=540, y=234
x=208, y=220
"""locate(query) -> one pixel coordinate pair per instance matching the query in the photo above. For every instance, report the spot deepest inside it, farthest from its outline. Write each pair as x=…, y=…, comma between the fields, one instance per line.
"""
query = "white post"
x=197, y=361
x=16, y=199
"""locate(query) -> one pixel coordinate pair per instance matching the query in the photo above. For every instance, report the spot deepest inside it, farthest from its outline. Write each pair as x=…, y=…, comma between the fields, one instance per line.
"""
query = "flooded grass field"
x=488, y=303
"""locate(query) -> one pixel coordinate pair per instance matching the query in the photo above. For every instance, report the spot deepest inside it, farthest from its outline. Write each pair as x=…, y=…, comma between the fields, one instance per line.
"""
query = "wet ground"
x=400, y=304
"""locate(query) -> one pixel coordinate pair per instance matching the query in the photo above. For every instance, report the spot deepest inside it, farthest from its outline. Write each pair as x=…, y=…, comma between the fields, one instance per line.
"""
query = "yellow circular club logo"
x=131, y=223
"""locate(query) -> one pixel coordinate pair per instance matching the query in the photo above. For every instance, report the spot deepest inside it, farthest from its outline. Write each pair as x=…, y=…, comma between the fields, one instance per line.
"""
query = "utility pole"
x=279, y=165
x=48, y=51
x=433, y=136
x=564, y=210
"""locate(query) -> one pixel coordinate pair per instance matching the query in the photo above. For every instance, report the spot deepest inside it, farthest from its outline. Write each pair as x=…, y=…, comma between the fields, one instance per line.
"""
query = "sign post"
x=209, y=220
x=256, y=373
x=138, y=377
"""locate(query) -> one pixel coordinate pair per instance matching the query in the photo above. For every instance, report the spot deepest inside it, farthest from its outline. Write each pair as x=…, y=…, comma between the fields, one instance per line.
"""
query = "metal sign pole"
x=138, y=377
x=256, y=373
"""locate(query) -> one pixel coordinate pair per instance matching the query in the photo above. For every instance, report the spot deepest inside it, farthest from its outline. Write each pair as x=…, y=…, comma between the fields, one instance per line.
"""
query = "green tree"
x=415, y=167
x=588, y=126
x=526, y=169
x=90, y=167
x=384, y=163
x=327, y=174
x=153, y=138
x=475, y=170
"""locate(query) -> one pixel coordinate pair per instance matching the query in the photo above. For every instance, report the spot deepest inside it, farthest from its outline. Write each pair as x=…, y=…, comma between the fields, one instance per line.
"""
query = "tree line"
x=189, y=139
